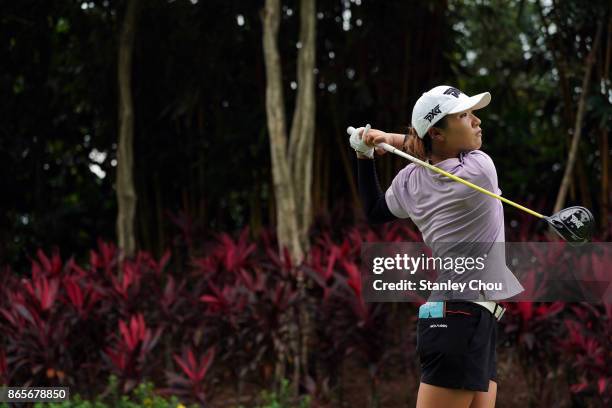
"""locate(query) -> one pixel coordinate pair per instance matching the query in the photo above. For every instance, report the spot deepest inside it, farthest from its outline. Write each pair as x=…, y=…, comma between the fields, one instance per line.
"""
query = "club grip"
x=351, y=129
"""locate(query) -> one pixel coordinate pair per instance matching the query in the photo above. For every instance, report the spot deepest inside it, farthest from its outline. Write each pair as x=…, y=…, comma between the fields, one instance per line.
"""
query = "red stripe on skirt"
x=458, y=311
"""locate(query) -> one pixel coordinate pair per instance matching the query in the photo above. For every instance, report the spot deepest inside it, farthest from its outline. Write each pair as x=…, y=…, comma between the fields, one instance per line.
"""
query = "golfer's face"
x=464, y=131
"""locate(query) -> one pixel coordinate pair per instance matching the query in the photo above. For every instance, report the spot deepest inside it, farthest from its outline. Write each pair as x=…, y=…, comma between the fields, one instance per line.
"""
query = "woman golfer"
x=455, y=339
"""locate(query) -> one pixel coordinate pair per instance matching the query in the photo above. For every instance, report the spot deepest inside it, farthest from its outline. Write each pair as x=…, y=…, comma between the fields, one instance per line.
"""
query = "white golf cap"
x=438, y=102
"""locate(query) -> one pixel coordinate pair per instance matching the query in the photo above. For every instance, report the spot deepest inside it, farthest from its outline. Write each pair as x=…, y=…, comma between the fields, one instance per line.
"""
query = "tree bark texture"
x=286, y=220
x=301, y=150
x=126, y=193
x=303, y=125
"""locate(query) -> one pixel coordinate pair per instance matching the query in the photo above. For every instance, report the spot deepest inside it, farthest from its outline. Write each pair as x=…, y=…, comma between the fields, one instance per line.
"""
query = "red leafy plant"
x=345, y=324
x=532, y=329
x=35, y=325
x=3, y=368
x=191, y=384
x=55, y=321
x=131, y=348
x=248, y=290
x=586, y=350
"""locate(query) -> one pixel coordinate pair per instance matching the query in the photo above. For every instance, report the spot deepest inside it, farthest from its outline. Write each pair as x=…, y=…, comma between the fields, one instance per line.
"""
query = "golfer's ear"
x=436, y=134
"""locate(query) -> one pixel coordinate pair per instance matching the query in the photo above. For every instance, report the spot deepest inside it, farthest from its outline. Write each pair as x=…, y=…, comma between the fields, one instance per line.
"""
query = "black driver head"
x=574, y=224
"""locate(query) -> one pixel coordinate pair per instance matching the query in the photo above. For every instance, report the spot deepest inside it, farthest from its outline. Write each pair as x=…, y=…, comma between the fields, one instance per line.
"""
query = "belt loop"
x=502, y=310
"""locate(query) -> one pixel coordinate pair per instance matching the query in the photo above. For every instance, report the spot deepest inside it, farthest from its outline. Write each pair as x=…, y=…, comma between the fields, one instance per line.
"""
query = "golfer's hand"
x=358, y=144
x=375, y=136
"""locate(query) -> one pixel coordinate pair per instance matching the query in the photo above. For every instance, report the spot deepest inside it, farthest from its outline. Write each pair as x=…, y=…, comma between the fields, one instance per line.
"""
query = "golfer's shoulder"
x=479, y=160
x=409, y=170
x=404, y=176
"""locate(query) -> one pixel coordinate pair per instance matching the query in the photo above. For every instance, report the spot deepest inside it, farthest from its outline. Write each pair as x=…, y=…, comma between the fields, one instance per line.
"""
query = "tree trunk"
x=286, y=220
x=303, y=124
x=578, y=125
x=126, y=194
x=301, y=151
x=292, y=166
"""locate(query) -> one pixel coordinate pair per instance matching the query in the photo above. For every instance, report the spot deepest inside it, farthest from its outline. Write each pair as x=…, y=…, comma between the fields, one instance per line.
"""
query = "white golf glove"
x=357, y=142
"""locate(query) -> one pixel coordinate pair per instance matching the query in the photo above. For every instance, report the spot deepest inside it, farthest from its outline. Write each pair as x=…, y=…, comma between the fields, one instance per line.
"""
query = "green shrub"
x=283, y=398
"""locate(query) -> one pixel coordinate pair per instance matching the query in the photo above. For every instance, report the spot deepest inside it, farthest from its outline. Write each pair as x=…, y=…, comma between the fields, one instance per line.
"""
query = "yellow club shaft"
x=398, y=152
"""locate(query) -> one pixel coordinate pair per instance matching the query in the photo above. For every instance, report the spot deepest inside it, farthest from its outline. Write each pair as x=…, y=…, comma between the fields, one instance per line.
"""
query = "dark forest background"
x=201, y=145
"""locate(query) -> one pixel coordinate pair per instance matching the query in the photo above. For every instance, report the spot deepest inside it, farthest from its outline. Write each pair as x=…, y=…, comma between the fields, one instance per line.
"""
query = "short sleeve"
x=394, y=196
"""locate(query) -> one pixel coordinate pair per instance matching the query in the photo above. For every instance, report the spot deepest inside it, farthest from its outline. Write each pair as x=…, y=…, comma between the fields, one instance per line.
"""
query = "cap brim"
x=473, y=102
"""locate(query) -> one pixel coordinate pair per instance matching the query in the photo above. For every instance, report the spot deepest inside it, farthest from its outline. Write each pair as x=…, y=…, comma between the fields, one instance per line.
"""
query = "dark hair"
x=421, y=148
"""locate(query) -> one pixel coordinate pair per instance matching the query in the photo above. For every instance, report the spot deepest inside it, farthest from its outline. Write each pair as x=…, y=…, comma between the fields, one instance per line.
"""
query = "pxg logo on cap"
x=432, y=113
x=452, y=91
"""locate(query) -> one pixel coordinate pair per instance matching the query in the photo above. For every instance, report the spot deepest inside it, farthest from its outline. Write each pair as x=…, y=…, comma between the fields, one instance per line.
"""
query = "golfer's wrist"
x=363, y=156
x=396, y=139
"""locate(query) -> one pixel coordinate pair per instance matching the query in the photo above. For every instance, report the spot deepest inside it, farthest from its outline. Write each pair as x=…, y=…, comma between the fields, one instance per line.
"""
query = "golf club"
x=573, y=224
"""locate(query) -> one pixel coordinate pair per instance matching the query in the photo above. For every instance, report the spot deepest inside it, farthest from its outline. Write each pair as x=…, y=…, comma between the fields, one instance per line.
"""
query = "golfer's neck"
x=438, y=155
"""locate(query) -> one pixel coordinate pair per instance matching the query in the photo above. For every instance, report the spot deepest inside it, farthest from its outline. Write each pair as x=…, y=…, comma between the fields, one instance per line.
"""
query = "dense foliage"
x=201, y=142
x=220, y=325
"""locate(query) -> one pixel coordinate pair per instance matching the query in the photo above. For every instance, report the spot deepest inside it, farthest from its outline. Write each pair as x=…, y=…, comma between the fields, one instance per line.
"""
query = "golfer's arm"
x=372, y=196
x=397, y=140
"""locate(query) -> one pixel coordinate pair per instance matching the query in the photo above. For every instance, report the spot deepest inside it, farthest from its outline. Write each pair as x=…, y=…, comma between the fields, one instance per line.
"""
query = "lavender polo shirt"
x=446, y=211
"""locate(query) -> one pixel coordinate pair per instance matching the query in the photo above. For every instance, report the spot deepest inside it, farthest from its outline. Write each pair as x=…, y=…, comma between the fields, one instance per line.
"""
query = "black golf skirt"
x=458, y=350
